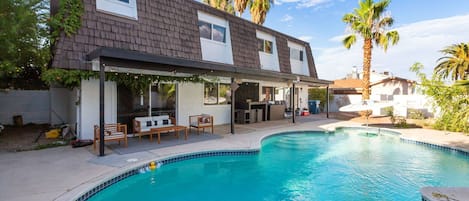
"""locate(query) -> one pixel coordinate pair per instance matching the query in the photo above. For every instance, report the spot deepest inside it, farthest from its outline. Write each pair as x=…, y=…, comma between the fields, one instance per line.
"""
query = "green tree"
x=259, y=10
x=456, y=64
x=24, y=48
x=452, y=101
x=224, y=5
x=321, y=95
x=370, y=22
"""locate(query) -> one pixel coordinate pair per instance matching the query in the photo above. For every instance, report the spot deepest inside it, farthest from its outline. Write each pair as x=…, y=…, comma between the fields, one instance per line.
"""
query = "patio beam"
x=125, y=58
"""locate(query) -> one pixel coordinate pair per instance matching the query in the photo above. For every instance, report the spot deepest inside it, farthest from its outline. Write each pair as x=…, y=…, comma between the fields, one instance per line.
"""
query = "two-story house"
x=179, y=38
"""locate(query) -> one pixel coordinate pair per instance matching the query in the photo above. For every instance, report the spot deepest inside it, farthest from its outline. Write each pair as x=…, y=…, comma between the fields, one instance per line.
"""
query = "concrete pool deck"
x=62, y=173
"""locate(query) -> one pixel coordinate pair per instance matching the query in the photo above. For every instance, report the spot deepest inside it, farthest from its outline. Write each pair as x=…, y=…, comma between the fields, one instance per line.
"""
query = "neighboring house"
x=384, y=87
x=179, y=38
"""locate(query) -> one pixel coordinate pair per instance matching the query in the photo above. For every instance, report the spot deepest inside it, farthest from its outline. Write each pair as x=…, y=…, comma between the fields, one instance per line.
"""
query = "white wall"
x=303, y=96
x=392, y=87
x=214, y=50
x=191, y=102
x=60, y=105
x=32, y=105
x=73, y=110
x=269, y=61
x=297, y=66
x=401, y=103
x=89, y=106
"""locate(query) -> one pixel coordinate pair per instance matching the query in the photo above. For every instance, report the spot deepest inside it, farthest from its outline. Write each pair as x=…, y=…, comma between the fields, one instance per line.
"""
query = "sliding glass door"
x=159, y=99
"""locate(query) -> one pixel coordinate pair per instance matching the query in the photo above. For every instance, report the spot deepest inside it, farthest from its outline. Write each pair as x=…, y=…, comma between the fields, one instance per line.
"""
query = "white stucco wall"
x=191, y=102
x=73, y=110
x=392, y=87
x=32, y=105
x=60, y=105
x=89, y=106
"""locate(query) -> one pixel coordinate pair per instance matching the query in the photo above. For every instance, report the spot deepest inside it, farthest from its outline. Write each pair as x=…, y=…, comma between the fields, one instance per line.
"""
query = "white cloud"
x=286, y=18
x=305, y=38
x=419, y=42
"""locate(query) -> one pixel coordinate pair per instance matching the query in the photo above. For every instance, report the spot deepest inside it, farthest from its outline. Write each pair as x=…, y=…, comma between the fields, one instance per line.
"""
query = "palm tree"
x=369, y=22
x=259, y=10
x=240, y=6
x=224, y=5
x=457, y=64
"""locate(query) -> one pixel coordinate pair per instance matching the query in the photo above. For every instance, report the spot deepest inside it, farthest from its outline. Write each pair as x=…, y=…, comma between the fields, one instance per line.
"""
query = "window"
x=268, y=93
x=217, y=93
x=125, y=8
x=296, y=54
x=264, y=46
x=212, y=31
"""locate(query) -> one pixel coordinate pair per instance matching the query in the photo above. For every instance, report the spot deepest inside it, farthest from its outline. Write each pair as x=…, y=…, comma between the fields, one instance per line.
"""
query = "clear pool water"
x=303, y=166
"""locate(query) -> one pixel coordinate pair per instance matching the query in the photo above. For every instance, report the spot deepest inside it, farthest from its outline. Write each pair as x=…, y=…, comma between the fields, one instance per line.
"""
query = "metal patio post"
x=102, y=78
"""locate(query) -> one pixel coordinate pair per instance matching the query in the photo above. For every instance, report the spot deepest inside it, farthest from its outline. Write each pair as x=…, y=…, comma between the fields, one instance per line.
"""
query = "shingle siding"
x=166, y=28
x=283, y=54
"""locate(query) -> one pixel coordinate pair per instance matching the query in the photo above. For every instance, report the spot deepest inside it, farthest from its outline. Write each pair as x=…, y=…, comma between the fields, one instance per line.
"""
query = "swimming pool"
x=346, y=165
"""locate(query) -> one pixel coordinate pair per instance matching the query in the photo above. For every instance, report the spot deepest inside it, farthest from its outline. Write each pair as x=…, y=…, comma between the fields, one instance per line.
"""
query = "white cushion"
x=143, y=119
x=157, y=118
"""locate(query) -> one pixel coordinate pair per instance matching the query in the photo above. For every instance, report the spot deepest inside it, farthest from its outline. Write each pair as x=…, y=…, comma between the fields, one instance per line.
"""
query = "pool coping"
x=103, y=182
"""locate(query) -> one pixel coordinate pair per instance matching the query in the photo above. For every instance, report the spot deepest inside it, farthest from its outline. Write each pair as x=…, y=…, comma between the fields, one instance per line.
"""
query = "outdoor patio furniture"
x=112, y=132
x=175, y=128
x=201, y=122
x=144, y=125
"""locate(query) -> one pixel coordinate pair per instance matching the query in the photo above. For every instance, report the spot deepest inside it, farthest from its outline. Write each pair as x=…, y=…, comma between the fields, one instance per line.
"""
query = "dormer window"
x=264, y=45
x=296, y=54
x=298, y=61
x=124, y=8
x=268, y=54
x=212, y=31
x=215, y=41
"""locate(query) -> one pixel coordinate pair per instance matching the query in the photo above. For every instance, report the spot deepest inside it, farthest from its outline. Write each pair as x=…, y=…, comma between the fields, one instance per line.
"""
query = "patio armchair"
x=201, y=122
x=112, y=132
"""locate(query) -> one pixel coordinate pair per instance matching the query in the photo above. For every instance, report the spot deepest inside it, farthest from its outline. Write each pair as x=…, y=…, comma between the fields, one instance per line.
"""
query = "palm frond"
x=349, y=40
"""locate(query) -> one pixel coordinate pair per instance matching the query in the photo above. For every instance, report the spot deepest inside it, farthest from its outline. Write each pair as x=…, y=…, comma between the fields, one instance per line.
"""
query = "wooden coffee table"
x=176, y=130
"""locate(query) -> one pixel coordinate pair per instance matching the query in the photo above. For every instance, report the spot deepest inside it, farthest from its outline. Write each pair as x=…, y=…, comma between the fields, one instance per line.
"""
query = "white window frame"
x=264, y=41
x=300, y=54
x=300, y=67
x=217, y=85
x=212, y=32
x=119, y=8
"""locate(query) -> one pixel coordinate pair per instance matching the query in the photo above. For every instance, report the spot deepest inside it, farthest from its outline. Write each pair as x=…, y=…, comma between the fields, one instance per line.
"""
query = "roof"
x=347, y=84
x=167, y=34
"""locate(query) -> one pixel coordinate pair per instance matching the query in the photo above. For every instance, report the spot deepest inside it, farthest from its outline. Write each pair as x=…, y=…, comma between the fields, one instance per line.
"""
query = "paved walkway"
x=62, y=173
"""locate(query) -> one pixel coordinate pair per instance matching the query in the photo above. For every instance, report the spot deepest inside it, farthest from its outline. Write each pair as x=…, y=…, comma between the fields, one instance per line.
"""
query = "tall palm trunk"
x=367, y=46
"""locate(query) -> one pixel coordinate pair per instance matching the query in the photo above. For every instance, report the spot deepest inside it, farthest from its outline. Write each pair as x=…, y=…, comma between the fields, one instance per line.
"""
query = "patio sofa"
x=143, y=125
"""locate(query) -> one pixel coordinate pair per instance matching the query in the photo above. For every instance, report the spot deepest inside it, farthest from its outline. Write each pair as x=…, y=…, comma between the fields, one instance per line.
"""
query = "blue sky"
x=425, y=27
